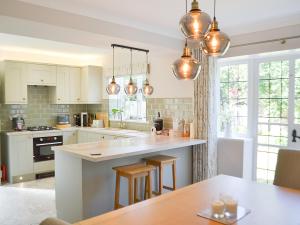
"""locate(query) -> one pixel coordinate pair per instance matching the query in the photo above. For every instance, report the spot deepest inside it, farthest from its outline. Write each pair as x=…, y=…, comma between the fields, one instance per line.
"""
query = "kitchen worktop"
x=107, y=131
x=114, y=149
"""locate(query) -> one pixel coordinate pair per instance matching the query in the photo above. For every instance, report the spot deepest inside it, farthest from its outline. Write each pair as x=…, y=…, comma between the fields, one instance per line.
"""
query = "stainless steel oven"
x=42, y=147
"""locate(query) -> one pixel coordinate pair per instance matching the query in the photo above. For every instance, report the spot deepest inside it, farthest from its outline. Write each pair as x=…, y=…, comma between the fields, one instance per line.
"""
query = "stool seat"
x=134, y=169
x=160, y=159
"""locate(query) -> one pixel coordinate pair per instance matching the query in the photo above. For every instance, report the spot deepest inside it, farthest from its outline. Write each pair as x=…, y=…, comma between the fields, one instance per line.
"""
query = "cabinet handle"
x=78, y=99
x=42, y=80
x=24, y=99
x=58, y=99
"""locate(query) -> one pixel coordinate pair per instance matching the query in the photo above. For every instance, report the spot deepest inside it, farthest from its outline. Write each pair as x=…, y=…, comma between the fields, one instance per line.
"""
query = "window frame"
x=253, y=62
x=232, y=62
x=108, y=80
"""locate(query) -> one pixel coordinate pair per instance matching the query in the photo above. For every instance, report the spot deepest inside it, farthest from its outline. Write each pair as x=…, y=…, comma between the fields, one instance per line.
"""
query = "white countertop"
x=114, y=149
x=105, y=131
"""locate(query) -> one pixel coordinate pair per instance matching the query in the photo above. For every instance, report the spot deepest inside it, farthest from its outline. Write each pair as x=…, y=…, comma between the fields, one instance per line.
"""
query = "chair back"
x=53, y=221
x=287, y=172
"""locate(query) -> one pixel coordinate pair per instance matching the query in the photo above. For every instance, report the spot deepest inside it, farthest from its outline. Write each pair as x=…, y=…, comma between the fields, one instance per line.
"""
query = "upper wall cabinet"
x=75, y=85
x=91, y=85
x=39, y=74
x=67, y=90
x=67, y=85
x=15, y=87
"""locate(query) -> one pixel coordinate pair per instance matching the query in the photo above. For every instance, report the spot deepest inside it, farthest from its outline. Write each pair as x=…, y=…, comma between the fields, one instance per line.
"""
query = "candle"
x=231, y=205
x=217, y=207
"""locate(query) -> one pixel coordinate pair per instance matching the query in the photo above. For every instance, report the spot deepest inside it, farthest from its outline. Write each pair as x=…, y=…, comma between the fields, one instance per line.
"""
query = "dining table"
x=268, y=205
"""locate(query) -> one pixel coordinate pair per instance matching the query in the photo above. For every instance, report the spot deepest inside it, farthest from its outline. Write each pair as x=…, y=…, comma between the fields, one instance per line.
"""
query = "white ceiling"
x=162, y=16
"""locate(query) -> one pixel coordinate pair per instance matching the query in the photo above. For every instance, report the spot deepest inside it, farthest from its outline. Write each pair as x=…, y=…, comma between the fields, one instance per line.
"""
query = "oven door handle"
x=52, y=143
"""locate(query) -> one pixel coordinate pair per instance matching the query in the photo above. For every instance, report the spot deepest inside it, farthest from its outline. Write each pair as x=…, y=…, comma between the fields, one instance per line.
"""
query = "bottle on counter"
x=186, y=130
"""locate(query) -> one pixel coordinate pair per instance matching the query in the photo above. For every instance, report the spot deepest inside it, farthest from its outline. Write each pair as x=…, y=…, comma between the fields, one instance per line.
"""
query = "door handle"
x=294, y=135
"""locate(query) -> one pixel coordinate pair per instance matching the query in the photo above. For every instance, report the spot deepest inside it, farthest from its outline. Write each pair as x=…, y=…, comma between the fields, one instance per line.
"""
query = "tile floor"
x=27, y=203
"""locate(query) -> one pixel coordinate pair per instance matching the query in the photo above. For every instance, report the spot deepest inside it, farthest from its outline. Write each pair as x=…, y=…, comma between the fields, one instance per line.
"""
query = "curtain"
x=205, y=119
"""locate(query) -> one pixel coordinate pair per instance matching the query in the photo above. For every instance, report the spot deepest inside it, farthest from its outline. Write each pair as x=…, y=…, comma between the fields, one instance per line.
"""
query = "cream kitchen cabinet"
x=18, y=156
x=67, y=90
x=70, y=137
x=41, y=74
x=75, y=85
x=91, y=85
x=82, y=137
x=15, y=87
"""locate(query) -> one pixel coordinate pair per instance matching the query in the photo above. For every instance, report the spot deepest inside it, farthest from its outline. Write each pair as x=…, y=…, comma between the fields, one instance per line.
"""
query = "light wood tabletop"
x=269, y=205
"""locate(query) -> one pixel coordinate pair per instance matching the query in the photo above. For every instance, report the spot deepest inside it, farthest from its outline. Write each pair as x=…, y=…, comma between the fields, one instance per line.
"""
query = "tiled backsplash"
x=39, y=111
x=171, y=109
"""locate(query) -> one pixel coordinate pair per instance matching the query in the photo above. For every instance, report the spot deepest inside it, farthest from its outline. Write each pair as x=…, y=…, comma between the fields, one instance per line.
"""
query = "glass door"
x=272, y=127
x=278, y=111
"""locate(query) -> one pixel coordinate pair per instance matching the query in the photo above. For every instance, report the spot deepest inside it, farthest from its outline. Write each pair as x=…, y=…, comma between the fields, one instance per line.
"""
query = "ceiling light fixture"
x=147, y=88
x=113, y=88
x=194, y=26
x=195, y=23
x=216, y=42
x=131, y=88
x=186, y=68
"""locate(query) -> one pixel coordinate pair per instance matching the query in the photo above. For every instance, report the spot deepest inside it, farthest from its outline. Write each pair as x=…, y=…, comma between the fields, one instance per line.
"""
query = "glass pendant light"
x=113, y=88
x=147, y=88
x=131, y=88
x=216, y=42
x=186, y=68
x=195, y=24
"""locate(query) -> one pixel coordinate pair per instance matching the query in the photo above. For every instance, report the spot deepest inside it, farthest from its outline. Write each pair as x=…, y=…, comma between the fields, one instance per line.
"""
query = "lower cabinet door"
x=70, y=137
x=21, y=155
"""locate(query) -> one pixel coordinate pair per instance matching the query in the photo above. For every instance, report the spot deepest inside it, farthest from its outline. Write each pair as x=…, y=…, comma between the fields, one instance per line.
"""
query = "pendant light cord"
x=130, y=63
x=113, y=62
x=186, y=20
x=147, y=64
x=214, y=9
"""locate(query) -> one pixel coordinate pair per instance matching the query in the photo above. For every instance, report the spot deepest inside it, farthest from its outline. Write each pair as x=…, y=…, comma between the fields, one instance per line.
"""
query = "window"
x=260, y=97
x=234, y=98
x=133, y=108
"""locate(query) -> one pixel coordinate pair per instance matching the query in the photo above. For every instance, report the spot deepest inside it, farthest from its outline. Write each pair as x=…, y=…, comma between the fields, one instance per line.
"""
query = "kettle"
x=18, y=123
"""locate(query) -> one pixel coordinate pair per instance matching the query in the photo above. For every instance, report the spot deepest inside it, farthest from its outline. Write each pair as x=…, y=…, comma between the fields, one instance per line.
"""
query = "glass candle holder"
x=217, y=209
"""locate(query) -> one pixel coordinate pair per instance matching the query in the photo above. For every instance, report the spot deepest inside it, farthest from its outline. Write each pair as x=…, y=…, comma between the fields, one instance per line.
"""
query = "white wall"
x=161, y=76
x=282, y=33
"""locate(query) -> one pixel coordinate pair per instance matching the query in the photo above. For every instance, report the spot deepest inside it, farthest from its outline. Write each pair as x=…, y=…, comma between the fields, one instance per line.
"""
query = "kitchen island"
x=85, y=181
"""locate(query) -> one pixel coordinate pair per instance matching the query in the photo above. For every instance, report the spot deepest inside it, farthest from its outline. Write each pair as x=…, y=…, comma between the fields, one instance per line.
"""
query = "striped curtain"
x=205, y=117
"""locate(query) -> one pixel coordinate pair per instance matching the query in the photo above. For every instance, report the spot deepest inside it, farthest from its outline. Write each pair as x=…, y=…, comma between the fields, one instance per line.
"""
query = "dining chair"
x=53, y=221
x=287, y=172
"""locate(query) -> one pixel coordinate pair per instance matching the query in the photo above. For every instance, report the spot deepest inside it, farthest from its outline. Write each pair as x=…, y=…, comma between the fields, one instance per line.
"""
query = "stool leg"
x=130, y=190
x=160, y=177
x=174, y=174
x=117, y=191
x=135, y=190
x=149, y=185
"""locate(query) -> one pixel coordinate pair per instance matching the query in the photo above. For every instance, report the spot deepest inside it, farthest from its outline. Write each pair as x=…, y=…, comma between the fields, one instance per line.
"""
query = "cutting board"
x=103, y=116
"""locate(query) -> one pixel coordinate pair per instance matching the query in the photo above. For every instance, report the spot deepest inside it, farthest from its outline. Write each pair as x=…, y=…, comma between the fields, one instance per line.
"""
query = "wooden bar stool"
x=133, y=172
x=159, y=161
